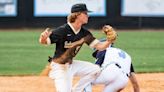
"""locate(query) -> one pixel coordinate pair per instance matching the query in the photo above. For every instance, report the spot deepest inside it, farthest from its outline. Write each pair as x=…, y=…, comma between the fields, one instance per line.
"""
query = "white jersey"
x=118, y=56
x=113, y=76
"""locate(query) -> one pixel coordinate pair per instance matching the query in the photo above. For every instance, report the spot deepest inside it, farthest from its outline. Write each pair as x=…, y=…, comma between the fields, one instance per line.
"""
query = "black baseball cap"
x=81, y=7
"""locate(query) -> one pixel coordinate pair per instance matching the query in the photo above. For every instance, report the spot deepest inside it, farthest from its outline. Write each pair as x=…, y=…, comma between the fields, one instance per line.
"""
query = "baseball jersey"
x=64, y=35
x=115, y=55
x=119, y=56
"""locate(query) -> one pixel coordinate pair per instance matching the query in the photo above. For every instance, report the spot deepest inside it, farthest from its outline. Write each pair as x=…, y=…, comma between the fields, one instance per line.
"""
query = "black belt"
x=120, y=67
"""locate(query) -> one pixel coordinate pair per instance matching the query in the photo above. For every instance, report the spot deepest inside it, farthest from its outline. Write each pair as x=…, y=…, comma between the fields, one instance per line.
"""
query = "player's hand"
x=44, y=35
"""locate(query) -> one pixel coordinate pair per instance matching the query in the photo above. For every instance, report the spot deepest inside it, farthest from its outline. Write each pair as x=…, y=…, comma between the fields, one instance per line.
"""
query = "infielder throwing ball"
x=64, y=68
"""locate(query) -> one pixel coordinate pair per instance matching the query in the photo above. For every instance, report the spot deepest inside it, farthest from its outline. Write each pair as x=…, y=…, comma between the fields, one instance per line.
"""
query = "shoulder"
x=115, y=49
x=85, y=31
x=121, y=52
x=60, y=30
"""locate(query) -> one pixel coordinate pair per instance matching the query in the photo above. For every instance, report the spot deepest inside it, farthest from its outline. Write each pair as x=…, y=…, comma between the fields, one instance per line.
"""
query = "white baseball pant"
x=62, y=74
x=112, y=76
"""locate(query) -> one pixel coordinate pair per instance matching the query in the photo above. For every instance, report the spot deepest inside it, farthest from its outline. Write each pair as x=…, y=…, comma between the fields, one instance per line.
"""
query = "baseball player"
x=116, y=69
x=63, y=70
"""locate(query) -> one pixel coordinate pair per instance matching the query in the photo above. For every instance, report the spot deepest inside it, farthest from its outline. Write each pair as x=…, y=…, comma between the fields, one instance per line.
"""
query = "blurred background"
x=118, y=13
x=139, y=23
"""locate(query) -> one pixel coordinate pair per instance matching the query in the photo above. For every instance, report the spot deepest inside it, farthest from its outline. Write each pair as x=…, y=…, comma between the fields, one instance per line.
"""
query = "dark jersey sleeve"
x=57, y=34
x=131, y=68
x=89, y=38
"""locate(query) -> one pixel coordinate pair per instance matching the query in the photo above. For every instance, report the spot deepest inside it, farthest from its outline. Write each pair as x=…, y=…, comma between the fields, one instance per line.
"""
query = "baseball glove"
x=110, y=33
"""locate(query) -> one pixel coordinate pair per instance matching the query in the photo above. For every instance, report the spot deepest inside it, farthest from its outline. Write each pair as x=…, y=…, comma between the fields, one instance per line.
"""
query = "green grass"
x=146, y=49
x=21, y=54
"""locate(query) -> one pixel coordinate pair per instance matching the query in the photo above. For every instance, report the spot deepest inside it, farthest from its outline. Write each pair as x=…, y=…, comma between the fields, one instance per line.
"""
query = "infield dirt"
x=149, y=82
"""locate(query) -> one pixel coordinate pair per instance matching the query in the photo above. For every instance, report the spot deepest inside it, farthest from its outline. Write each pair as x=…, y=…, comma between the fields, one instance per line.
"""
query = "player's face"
x=84, y=17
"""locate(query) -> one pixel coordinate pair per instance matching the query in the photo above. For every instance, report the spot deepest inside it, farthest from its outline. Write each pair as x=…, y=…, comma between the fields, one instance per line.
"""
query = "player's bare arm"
x=102, y=45
x=134, y=82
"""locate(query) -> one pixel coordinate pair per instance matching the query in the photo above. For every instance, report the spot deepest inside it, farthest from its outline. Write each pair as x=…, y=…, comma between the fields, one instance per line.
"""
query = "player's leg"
x=113, y=78
x=61, y=76
x=118, y=84
x=88, y=88
x=88, y=72
x=108, y=74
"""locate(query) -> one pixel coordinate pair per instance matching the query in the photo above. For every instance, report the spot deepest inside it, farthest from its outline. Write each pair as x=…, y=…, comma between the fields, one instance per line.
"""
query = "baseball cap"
x=80, y=7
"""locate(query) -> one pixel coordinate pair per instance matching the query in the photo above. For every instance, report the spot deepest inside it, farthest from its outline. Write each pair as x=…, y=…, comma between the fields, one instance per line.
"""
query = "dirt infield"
x=149, y=82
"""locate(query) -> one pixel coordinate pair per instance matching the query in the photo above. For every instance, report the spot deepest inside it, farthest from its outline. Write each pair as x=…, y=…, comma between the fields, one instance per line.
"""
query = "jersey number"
x=122, y=54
